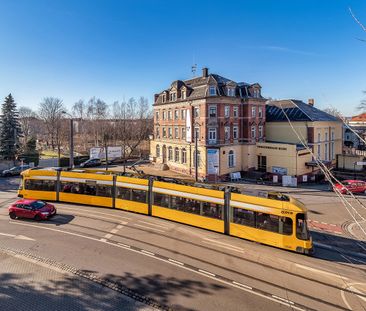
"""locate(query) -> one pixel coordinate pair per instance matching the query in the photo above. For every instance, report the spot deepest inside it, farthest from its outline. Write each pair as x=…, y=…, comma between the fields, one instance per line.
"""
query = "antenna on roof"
x=194, y=69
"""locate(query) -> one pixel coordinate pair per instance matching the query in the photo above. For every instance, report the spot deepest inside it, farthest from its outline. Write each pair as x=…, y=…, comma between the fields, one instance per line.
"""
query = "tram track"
x=301, y=277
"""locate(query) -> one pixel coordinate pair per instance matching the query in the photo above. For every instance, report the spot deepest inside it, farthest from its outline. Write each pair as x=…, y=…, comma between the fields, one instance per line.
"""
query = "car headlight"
x=45, y=213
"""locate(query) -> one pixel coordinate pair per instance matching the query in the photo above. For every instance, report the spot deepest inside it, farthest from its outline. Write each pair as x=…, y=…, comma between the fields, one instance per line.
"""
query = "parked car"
x=15, y=171
x=91, y=163
x=34, y=209
x=354, y=186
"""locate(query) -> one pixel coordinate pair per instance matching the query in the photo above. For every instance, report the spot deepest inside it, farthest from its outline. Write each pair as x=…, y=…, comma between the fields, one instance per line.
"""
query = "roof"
x=360, y=117
x=296, y=110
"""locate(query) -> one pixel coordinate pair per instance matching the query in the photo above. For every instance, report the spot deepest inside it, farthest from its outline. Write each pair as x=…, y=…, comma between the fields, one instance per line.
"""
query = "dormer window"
x=184, y=95
x=256, y=93
x=173, y=97
x=164, y=98
x=212, y=90
x=230, y=91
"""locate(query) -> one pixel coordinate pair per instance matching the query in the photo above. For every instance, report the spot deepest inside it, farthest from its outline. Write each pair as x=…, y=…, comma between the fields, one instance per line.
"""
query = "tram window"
x=78, y=188
x=40, y=185
x=161, y=199
x=104, y=191
x=244, y=217
x=124, y=193
x=177, y=203
x=285, y=225
x=267, y=222
x=302, y=231
x=191, y=206
x=212, y=210
x=139, y=195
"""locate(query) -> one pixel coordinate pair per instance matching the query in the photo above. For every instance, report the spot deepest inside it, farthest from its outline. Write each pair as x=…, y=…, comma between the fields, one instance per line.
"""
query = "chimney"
x=311, y=102
x=205, y=72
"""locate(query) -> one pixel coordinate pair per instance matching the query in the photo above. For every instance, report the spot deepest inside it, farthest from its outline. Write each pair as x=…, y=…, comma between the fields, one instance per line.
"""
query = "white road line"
x=119, y=227
x=152, y=224
x=124, y=245
x=146, y=227
x=17, y=237
x=242, y=285
x=360, y=245
x=103, y=240
x=225, y=247
x=167, y=261
x=283, y=299
x=147, y=252
x=355, y=290
x=108, y=236
x=206, y=272
x=114, y=231
x=224, y=244
x=320, y=271
x=176, y=262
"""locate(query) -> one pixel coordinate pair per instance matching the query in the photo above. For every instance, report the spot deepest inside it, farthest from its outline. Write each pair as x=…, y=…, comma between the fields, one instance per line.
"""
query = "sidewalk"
x=29, y=284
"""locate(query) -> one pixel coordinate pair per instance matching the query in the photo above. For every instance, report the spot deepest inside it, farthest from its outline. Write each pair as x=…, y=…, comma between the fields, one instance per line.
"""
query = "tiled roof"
x=296, y=110
x=360, y=117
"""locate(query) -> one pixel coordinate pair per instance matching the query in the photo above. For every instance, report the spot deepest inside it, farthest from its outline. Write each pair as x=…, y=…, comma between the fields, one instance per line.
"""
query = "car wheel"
x=37, y=217
x=12, y=215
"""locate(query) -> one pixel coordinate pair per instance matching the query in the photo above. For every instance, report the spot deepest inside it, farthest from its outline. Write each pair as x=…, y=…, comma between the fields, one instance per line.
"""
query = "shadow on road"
x=58, y=220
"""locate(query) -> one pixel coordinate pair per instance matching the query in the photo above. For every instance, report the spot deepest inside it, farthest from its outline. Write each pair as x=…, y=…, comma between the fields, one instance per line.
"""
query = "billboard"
x=99, y=153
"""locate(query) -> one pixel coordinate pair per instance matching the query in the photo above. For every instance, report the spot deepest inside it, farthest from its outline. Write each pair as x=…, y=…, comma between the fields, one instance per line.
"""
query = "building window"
x=176, y=114
x=157, y=115
x=176, y=133
x=170, y=115
x=235, y=132
x=212, y=135
x=332, y=151
x=198, y=158
x=197, y=133
x=196, y=112
x=164, y=98
x=231, y=159
x=183, y=95
x=253, y=132
x=260, y=131
x=157, y=132
x=332, y=135
x=164, y=115
x=164, y=132
x=260, y=112
x=326, y=136
x=227, y=111
x=318, y=137
x=212, y=111
x=212, y=90
x=173, y=96
x=184, y=156
x=157, y=151
x=230, y=91
x=319, y=151
x=236, y=112
x=227, y=132
x=254, y=112
x=183, y=133
x=176, y=154
x=326, y=152
x=183, y=114
x=170, y=154
x=170, y=134
x=256, y=93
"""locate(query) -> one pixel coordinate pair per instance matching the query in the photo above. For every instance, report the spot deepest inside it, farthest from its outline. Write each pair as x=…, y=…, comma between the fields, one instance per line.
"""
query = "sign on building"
x=213, y=161
x=188, y=126
x=99, y=153
x=279, y=170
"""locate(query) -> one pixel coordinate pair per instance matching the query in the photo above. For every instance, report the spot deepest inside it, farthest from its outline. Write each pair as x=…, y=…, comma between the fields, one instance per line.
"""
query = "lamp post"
x=196, y=132
x=71, y=162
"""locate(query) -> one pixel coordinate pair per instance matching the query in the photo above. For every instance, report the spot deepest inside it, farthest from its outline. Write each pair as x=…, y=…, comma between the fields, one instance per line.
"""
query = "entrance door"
x=262, y=163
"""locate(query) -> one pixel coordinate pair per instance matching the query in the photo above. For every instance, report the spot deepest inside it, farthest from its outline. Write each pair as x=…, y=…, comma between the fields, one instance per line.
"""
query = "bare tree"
x=333, y=112
x=79, y=111
x=97, y=110
x=50, y=111
x=27, y=118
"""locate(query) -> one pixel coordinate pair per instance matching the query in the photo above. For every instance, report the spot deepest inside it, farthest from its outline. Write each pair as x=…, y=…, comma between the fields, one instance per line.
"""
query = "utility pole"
x=71, y=143
x=196, y=154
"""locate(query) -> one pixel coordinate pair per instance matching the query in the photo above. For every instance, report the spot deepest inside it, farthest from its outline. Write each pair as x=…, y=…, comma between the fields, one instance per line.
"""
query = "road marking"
x=147, y=252
x=103, y=240
x=283, y=299
x=152, y=224
x=360, y=245
x=176, y=262
x=166, y=261
x=114, y=231
x=206, y=272
x=354, y=289
x=222, y=244
x=119, y=227
x=17, y=237
x=146, y=227
x=320, y=271
x=93, y=212
x=124, y=245
x=243, y=285
x=108, y=236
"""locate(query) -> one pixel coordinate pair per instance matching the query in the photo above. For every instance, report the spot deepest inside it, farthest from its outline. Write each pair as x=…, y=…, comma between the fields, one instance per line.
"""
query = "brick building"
x=227, y=117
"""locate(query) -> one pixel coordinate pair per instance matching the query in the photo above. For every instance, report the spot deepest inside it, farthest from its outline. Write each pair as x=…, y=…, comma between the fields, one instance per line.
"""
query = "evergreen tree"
x=10, y=129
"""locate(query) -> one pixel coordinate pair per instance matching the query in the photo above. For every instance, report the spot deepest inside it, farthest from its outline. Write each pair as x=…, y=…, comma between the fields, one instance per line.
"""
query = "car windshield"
x=38, y=204
x=14, y=168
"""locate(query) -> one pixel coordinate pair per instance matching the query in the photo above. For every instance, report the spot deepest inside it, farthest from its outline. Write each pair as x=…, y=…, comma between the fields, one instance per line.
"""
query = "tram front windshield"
x=302, y=231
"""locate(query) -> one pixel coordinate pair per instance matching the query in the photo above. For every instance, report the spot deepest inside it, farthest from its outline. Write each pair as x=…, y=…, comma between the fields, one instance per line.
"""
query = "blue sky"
x=118, y=49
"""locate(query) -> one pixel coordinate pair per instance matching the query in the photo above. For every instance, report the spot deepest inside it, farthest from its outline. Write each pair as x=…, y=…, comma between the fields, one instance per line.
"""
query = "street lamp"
x=71, y=162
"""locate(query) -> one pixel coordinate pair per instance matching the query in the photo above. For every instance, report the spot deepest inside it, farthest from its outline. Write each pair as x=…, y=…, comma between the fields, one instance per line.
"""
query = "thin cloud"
x=286, y=50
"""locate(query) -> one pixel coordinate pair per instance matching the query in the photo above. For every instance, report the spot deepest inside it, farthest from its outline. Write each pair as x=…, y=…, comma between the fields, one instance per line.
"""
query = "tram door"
x=262, y=163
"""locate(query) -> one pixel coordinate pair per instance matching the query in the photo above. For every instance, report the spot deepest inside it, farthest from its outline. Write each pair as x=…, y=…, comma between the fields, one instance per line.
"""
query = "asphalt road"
x=161, y=264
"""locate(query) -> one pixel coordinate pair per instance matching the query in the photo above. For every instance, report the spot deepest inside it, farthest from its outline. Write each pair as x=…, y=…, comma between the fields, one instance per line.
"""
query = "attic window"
x=183, y=95
x=164, y=98
x=212, y=90
x=230, y=91
x=173, y=97
x=256, y=93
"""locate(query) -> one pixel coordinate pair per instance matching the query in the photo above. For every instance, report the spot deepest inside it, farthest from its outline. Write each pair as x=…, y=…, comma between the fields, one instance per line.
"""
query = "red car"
x=354, y=186
x=34, y=209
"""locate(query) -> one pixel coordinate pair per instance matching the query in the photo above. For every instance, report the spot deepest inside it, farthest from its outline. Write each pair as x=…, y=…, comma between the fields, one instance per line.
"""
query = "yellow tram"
x=278, y=220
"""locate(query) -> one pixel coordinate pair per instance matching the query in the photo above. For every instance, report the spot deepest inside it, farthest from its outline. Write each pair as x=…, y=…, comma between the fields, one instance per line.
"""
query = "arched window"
x=157, y=151
x=184, y=156
x=176, y=154
x=170, y=153
x=231, y=159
